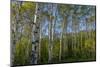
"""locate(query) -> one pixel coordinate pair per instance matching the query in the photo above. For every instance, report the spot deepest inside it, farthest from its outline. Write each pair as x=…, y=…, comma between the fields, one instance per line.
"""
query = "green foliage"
x=22, y=51
x=44, y=51
x=56, y=48
x=28, y=6
x=79, y=49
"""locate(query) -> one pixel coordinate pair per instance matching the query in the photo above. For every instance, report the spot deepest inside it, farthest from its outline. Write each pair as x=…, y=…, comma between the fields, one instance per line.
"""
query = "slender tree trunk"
x=15, y=38
x=71, y=42
x=53, y=26
x=40, y=37
x=35, y=37
x=51, y=33
x=64, y=36
x=50, y=41
x=61, y=40
x=75, y=35
x=60, y=52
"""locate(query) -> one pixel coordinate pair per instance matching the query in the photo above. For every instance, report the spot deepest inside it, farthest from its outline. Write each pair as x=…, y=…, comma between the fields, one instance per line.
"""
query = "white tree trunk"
x=15, y=38
x=40, y=37
x=50, y=41
x=61, y=40
x=35, y=38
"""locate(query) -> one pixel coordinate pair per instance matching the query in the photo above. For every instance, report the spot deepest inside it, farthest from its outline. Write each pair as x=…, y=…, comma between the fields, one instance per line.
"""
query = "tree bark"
x=15, y=31
x=35, y=37
x=50, y=41
x=61, y=40
x=40, y=37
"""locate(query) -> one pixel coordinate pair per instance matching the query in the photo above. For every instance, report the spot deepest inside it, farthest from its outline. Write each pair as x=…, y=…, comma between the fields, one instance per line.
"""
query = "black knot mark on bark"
x=35, y=32
x=35, y=47
x=37, y=41
x=38, y=9
x=33, y=42
x=34, y=23
x=37, y=27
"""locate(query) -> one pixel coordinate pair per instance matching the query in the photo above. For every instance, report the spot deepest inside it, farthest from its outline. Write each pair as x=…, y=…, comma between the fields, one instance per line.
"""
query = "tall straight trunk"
x=65, y=36
x=54, y=6
x=81, y=40
x=60, y=52
x=75, y=35
x=61, y=40
x=40, y=37
x=71, y=52
x=70, y=45
x=51, y=33
x=35, y=37
x=50, y=41
x=15, y=38
x=73, y=22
